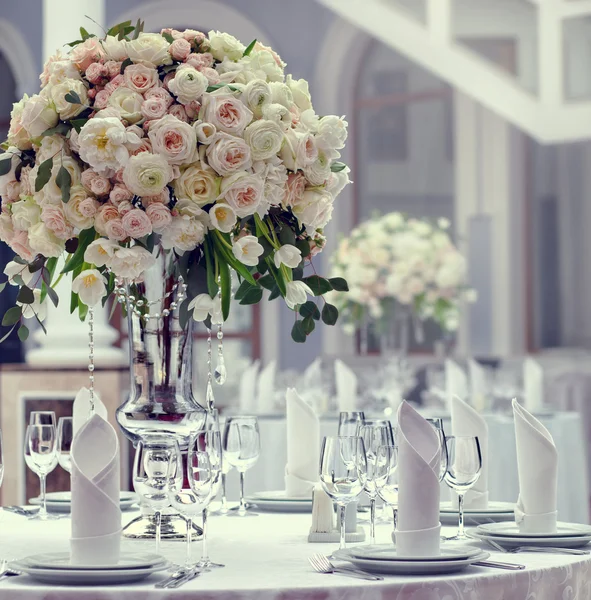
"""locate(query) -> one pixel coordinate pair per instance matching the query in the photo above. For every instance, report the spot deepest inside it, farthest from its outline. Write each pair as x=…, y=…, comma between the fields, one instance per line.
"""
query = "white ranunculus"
x=222, y=217
x=332, y=133
x=38, y=115
x=244, y=192
x=131, y=263
x=452, y=272
x=184, y=234
x=127, y=103
x=43, y=241
x=278, y=113
x=297, y=293
x=149, y=49
x=66, y=109
x=147, y=174
x=247, y=250
x=299, y=150
x=300, y=92
x=264, y=138
x=224, y=44
x=281, y=94
x=288, y=255
x=264, y=65
x=115, y=49
x=318, y=173
x=100, y=252
x=309, y=120
x=25, y=213
x=174, y=139
x=104, y=143
x=188, y=84
x=257, y=95
x=13, y=268
x=201, y=306
x=90, y=287
x=37, y=308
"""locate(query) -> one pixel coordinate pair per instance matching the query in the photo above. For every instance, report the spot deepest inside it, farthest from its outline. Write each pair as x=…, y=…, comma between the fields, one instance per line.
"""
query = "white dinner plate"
x=493, y=508
x=65, y=507
x=280, y=496
x=496, y=512
x=284, y=506
x=67, y=496
x=542, y=542
x=409, y=567
x=61, y=561
x=384, y=552
x=511, y=530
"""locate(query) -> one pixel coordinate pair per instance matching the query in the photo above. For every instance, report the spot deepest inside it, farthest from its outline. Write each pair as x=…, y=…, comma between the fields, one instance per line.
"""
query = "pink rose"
x=96, y=72
x=101, y=100
x=180, y=49
x=88, y=207
x=124, y=207
x=86, y=53
x=159, y=216
x=114, y=230
x=116, y=82
x=212, y=75
x=27, y=184
x=13, y=190
x=54, y=219
x=228, y=154
x=154, y=108
x=192, y=109
x=118, y=177
x=159, y=92
x=145, y=145
x=178, y=111
x=243, y=192
x=162, y=198
x=20, y=244
x=200, y=61
x=92, y=92
x=106, y=213
x=112, y=68
x=192, y=35
x=140, y=78
x=174, y=139
x=294, y=189
x=167, y=79
x=119, y=193
x=175, y=33
x=136, y=223
x=227, y=113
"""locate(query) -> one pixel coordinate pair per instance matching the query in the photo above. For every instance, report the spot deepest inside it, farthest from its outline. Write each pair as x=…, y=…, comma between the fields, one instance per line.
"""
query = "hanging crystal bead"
x=209, y=397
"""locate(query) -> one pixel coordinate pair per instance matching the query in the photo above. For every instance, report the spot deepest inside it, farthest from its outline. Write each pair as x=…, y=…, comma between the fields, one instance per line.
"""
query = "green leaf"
x=82, y=309
x=84, y=34
x=226, y=286
x=212, y=285
x=126, y=64
x=242, y=289
x=287, y=236
x=12, y=315
x=268, y=282
x=304, y=247
x=252, y=296
x=337, y=166
x=85, y=238
x=309, y=309
x=297, y=273
x=43, y=174
x=339, y=284
x=72, y=97
x=309, y=325
x=78, y=124
x=25, y=295
x=275, y=293
x=249, y=47
x=217, y=86
x=5, y=164
x=64, y=183
x=3, y=285
x=117, y=28
x=138, y=30
x=225, y=252
x=168, y=37
x=23, y=333
x=41, y=324
x=74, y=43
x=53, y=296
x=278, y=276
x=298, y=332
x=330, y=314
x=317, y=284
x=61, y=128
x=37, y=264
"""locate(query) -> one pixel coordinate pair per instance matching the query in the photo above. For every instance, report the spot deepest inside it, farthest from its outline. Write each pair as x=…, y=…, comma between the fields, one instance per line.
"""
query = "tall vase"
x=161, y=400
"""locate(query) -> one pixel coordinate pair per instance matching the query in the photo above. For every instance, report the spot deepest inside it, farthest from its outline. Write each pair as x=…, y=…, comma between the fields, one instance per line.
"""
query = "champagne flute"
x=242, y=446
x=463, y=470
x=204, y=468
x=375, y=433
x=65, y=436
x=42, y=417
x=41, y=458
x=437, y=424
x=343, y=469
x=387, y=478
x=350, y=423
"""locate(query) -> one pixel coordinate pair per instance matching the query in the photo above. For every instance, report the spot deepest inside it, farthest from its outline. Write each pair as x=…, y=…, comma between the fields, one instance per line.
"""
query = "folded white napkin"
x=313, y=374
x=346, y=386
x=248, y=388
x=479, y=386
x=533, y=384
x=456, y=381
x=303, y=446
x=266, y=388
x=418, y=477
x=537, y=468
x=465, y=421
x=81, y=408
x=96, y=516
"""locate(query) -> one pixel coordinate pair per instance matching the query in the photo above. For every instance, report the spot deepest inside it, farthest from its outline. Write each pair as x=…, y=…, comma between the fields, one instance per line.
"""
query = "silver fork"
x=321, y=564
x=547, y=549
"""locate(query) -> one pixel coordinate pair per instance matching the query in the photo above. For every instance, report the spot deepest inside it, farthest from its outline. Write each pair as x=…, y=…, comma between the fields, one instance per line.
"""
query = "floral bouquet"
x=393, y=260
x=176, y=143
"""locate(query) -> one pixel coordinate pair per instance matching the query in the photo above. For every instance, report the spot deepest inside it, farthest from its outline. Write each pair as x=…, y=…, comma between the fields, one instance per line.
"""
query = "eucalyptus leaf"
x=25, y=295
x=168, y=37
x=309, y=309
x=43, y=174
x=330, y=314
x=337, y=166
x=242, y=289
x=78, y=124
x=317, y=284
x=12, y=315
x=309, y=325
x=23, y=333
x=298, y=332
x=339, y=284
x=72, y=97
x=252, y=296
x=63, y=181
x=6, y=164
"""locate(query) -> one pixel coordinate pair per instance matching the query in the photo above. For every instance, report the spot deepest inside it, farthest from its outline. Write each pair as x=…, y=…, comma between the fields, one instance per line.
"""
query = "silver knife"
x=176, y=575
x=499, y=565
x=184, y=579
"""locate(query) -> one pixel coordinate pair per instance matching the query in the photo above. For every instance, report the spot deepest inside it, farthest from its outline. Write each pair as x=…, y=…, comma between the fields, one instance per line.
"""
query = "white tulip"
x=13, y=268
x=247, y=250
x=222, y=217
x=288, y=255
x=100, y=252
x=297, y=293
x=201, y=306
x=90, y=286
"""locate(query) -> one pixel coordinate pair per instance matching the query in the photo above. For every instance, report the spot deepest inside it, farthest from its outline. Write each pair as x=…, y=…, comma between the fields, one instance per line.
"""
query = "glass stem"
x=395, y=516
x=372, y=520
x=204, y=552
x=42, y=481
x=158, y=515
x=343, y=509
x=242, y=508
x=188, y=562
x=224, y=508
x=461, y=515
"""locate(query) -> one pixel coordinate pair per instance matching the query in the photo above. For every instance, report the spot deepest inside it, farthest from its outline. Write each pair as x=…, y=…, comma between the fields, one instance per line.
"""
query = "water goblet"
x=343, y=469
x=42, y=417
x=387, y=478
x=437, y=424
x=464, y=463
x=41, y=457
x=350, y=423
x=65, y=434
x=212, y=421
x=242, y=446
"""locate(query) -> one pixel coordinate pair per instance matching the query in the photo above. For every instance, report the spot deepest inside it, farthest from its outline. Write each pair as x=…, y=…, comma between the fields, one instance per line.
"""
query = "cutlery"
x=171, y=578
x=189, y=576
x=6, y=571
x=499, y=565
x=321, y=564
x=535, y=549
x=19, y=510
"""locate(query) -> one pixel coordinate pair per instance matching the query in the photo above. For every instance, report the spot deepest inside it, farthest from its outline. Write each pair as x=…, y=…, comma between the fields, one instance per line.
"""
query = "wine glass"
x=151, y=475
x=437, y=424
x=350, y=423
x=343, y=469
x=41, y=457
x=242, y=446
x=375, y=433
x=204, y=468
x=387, y=478
x=212, y=421
x=464, y=463
x=65, y=435
x=42, y=417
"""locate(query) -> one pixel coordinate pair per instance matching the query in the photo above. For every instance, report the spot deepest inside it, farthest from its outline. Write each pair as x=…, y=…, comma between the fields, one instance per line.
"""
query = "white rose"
x=202, y=306
x=60, y=70
x=38, y=115
x=300, y=92
x=281, y=94
x=244, y=192
x=225, y=112
x=205, y=132
x=174, y=139
x=72, y=209
x=224, y=44
x=257, y=95
x=25, y=213
x=147, y=174
x=66, y=109
x=44, y=242
x=17, y=134
x=90, y=287
x=288, y=255
x=264, y=138
x=149, y=49
x=131, y=263
x=199, y=185
x=297, y=293
x=228, y=154
x=337, y=181
x=222, y=217
x=51, y=145
x=13, y=268
x=318, y=172
x=183, y=234
x=114, y=48
x=188, y=84
x=314, y=209
x=38, y=308
x=332, y=133
x=247, y=250
x=127, y=103
x=100, y=252
x=299, y=150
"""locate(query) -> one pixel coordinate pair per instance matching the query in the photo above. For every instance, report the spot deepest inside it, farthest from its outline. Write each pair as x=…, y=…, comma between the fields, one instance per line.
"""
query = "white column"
x=66, y=342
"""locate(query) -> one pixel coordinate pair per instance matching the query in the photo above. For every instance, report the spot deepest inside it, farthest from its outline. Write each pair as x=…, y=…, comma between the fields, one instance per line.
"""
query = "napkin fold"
x=247, y=397
x=96, y=516
x=313, y=374
x=419, y=528
x=533, y=385
x=81, y=409
x=479, y=387
x=303, y=446
x=465, y=421
x=456, y=381
x=346, y=386
x=537, y=469
x=266, y=388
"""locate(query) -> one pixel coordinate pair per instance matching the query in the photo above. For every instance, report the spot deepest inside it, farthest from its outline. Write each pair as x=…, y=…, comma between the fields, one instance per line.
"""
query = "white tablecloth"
x=265, y=559
x=573, y=489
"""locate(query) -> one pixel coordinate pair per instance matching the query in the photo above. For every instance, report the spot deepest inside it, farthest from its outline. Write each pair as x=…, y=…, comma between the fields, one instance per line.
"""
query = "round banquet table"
x=266, y=559
x=565, y=427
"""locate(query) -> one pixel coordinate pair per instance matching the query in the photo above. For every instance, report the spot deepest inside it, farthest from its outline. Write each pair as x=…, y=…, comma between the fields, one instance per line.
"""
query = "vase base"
x=174, y=527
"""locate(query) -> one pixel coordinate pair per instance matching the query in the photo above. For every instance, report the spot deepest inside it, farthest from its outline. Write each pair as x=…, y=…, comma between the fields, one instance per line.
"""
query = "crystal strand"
x=209, y=399
x=221, y=372
x=91, y=358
